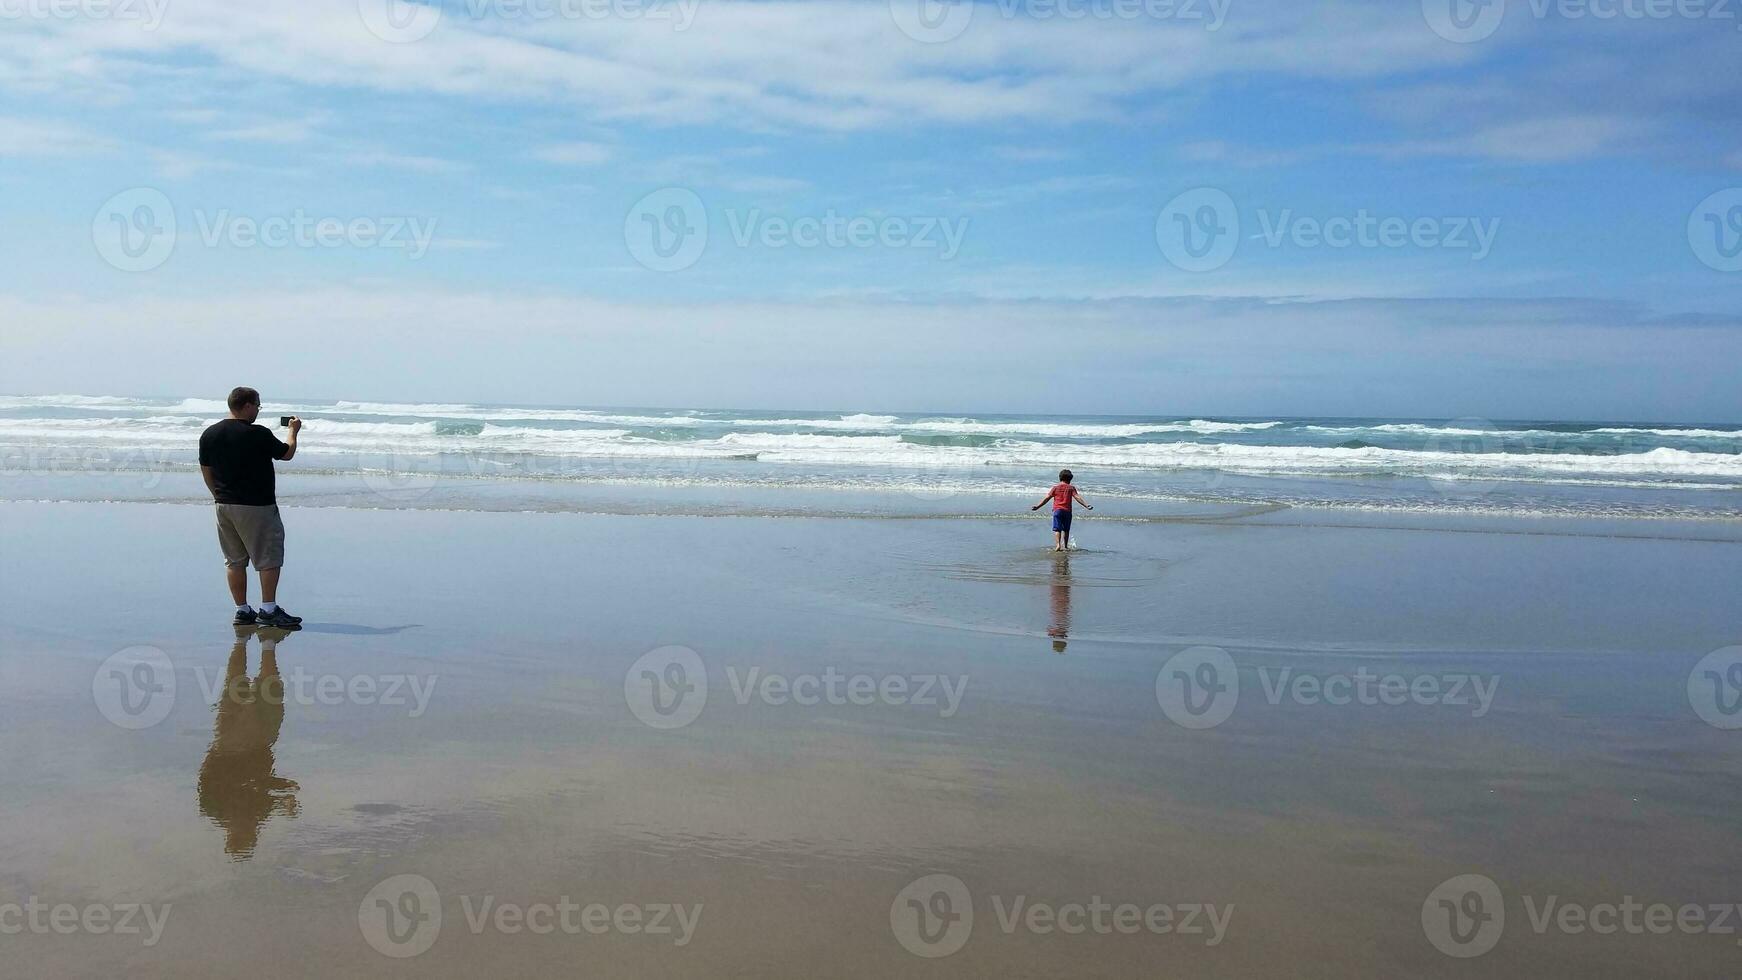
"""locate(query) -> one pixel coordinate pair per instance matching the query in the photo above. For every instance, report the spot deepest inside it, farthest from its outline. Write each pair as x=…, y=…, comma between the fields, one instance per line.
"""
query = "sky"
x=1443, y=208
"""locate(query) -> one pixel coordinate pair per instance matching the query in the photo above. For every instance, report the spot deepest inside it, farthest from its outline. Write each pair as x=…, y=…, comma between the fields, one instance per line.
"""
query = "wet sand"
x=488, y=701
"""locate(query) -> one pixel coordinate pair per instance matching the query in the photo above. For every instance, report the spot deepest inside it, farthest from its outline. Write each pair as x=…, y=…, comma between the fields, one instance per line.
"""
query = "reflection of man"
x=1061, y=601
x=238, y=789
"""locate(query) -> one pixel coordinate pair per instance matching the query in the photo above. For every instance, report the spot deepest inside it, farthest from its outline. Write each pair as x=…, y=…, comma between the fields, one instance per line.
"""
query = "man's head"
x=244, y=404
x=1064, y=475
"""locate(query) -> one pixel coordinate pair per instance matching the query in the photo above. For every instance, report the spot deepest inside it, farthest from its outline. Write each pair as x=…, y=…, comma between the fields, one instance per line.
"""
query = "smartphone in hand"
x=284, y=421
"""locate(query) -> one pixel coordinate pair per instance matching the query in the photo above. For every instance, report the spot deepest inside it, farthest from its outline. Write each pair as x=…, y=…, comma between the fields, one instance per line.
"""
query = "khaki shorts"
x=246, y=532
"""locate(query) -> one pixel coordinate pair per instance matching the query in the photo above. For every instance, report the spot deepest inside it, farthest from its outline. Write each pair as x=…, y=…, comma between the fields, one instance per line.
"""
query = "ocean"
x=1684, y=470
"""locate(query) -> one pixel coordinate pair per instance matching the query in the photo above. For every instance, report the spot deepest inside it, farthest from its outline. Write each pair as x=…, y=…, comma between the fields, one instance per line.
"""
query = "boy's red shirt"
x=1061, y=496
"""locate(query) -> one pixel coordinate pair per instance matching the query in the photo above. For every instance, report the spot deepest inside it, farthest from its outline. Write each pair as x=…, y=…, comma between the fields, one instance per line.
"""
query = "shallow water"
x=527, y=773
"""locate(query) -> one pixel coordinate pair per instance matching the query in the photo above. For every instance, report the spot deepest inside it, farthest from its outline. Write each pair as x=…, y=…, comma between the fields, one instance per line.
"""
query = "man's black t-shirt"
x=240, y=455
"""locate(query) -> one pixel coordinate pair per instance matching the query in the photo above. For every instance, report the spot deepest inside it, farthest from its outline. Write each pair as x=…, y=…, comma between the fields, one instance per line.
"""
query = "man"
x=236, y=459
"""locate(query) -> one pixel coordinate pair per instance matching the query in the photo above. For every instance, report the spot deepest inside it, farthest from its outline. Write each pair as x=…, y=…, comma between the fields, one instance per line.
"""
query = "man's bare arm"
x=206, y=471
x=290, y=444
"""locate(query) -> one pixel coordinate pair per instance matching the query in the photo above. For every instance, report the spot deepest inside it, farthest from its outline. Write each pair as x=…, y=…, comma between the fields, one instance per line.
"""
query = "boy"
x=1061, y=496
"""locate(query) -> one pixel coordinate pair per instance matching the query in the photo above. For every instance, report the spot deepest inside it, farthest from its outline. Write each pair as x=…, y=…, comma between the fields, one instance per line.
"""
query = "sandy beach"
x=486, y=702
x=891, y=489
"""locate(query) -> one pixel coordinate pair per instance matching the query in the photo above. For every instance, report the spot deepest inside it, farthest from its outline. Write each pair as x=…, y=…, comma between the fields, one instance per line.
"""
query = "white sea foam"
x=168, y=428
x=1679, y=433
x=172, y=434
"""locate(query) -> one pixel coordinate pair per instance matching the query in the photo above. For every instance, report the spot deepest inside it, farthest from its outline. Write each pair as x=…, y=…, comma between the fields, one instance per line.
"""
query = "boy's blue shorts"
x=1061, y=520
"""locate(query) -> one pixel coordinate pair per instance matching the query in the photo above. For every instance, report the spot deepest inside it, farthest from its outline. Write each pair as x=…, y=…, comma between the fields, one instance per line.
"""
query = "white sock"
x=244, y=607
x=269, y=607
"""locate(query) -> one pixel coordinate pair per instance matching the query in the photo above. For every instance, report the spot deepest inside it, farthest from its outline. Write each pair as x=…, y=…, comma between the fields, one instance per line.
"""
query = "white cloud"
x=1033, y=154
x=828, y=64
x=21, y=137
x=404, y=161
x=1548, y=140
x=575, y=153
x=281, y=132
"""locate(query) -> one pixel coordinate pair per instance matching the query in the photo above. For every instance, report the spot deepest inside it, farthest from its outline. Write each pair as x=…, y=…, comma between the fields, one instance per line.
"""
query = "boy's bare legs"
x=268, y=584
x=237, y=576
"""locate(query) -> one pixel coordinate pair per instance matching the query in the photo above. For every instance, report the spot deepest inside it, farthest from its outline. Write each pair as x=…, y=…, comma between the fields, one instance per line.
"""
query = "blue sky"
x=1003, y=181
